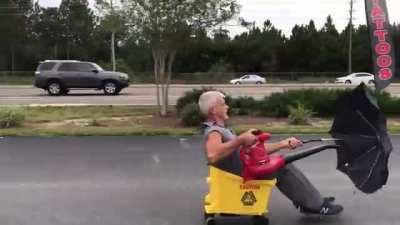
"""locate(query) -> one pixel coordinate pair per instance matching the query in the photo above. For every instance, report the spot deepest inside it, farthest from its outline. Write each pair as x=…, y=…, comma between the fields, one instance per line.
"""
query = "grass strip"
x=139, y=121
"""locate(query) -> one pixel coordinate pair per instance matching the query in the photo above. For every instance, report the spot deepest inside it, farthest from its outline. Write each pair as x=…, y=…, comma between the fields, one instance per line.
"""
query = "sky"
x=284, y=14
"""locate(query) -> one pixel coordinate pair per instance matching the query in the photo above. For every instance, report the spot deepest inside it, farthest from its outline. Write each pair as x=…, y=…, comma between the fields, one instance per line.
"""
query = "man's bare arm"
x=216, y=150
x=290, y=143
x=274, y=147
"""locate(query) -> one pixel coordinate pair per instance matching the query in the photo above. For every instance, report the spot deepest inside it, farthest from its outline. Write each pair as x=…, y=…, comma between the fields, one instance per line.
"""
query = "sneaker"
x=325, y=199
x=329, y=199
x=327, y=208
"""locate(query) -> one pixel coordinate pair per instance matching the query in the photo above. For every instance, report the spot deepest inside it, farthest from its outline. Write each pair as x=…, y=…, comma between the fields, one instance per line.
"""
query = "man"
x=222, y=151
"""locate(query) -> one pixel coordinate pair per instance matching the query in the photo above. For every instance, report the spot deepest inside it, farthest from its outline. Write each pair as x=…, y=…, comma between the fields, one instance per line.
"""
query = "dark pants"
x=295, y=186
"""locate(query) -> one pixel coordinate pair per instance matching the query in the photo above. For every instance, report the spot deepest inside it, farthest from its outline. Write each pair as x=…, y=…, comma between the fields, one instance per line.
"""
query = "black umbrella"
x=365, y=146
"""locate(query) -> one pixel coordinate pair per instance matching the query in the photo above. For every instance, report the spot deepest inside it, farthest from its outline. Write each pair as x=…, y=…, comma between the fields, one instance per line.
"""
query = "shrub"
x=191, y=116
x=299, y=115
x=94, y=123
x=276, y=104
x=323, y=101
x=242, y=105
x=10, y=117
x=389, y=105
x=190, y=97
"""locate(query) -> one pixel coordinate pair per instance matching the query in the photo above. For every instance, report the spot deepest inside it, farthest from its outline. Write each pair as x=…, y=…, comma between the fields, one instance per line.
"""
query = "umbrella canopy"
x=365, y=146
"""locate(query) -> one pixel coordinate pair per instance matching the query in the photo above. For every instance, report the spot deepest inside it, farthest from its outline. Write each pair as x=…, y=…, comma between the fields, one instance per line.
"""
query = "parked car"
x=356, y=78
x=249, y=79
x=60, y=76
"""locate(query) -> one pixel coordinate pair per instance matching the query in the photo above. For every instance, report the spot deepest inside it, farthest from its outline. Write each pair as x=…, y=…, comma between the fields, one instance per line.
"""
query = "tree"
x=198, y=53
x=396, y=42
x=78, y=22
x=330, y=50
x=257, y=50
x=361, y=59
x=14, y=16
x=47, y=30
x=167, y=25
x=302, y=48
x=112, y=20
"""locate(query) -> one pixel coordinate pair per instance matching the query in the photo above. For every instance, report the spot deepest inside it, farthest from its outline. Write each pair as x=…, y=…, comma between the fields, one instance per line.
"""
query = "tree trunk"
x=163, y=61
x=55, y=51
x=156, y=76
x=171, y=59
x=68, y=49
x=113, y=50
x=12, y=59
x=163, y=111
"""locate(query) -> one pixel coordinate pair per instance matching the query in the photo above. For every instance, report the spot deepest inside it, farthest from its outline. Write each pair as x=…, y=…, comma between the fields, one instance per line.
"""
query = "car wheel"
x=110, y=88
x=347, y=82
x=237, y=82
x=54, y=88
x=258, y=82
x=371, y=82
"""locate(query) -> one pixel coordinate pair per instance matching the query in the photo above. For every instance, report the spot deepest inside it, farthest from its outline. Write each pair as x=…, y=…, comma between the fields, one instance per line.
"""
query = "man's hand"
x=292, y=143
x=247, y=138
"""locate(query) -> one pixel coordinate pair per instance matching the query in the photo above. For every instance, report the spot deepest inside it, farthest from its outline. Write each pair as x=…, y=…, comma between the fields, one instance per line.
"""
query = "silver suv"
x=60, y=76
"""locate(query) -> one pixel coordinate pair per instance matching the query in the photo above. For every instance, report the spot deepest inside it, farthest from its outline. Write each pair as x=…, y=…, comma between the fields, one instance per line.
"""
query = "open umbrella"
x=365, y=146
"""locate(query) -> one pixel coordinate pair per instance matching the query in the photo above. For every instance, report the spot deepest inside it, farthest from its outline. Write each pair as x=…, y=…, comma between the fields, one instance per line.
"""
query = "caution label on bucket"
x=250, y=186
x=248, y=198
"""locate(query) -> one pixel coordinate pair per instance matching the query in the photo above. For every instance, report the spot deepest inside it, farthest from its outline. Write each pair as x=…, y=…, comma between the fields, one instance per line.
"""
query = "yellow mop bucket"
x=228, y=194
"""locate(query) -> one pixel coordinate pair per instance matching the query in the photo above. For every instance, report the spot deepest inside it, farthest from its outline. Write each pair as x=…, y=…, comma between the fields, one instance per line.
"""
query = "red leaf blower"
x=257, y=163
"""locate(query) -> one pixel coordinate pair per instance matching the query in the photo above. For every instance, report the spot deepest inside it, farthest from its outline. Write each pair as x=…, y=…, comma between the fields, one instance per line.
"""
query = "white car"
x=249, y=79
x=356, y=78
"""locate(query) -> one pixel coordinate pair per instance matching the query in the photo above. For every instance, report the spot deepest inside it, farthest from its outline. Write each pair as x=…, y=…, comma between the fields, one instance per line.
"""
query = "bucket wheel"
x=260, y=220
x=209, y=219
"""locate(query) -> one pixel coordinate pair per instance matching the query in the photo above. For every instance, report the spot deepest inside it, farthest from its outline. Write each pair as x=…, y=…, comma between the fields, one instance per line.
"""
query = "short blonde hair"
x=207, y=100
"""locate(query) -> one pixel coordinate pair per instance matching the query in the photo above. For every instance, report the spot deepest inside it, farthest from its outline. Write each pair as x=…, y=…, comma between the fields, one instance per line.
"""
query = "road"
x=154, y=181
x=145, y=94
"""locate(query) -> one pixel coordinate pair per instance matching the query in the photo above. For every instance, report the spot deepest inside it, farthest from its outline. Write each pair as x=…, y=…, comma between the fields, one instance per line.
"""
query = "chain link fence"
x=27, y=77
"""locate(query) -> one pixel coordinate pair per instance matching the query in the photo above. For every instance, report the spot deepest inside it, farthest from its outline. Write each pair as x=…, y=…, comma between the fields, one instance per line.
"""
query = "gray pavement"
x=146, y=94
x=154, y=181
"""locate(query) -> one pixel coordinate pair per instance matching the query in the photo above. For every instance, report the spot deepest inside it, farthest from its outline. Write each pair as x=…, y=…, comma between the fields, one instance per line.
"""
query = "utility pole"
x=112, y=39
x=350, y=35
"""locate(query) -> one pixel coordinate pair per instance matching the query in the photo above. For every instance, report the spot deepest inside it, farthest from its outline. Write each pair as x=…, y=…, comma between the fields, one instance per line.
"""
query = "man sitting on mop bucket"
x=222, y=151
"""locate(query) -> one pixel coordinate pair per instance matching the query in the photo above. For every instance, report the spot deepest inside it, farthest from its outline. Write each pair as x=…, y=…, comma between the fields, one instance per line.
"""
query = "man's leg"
x=295, y=186
x=292, y=183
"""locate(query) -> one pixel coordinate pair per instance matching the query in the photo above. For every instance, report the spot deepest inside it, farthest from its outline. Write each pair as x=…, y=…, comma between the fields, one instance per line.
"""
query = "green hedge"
x=191, y=115
x=190, y=97
x=388, y=104
x=322, y=102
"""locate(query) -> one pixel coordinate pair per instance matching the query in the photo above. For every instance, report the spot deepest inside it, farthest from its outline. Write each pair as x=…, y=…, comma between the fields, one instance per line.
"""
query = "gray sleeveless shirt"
x=230, y=163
